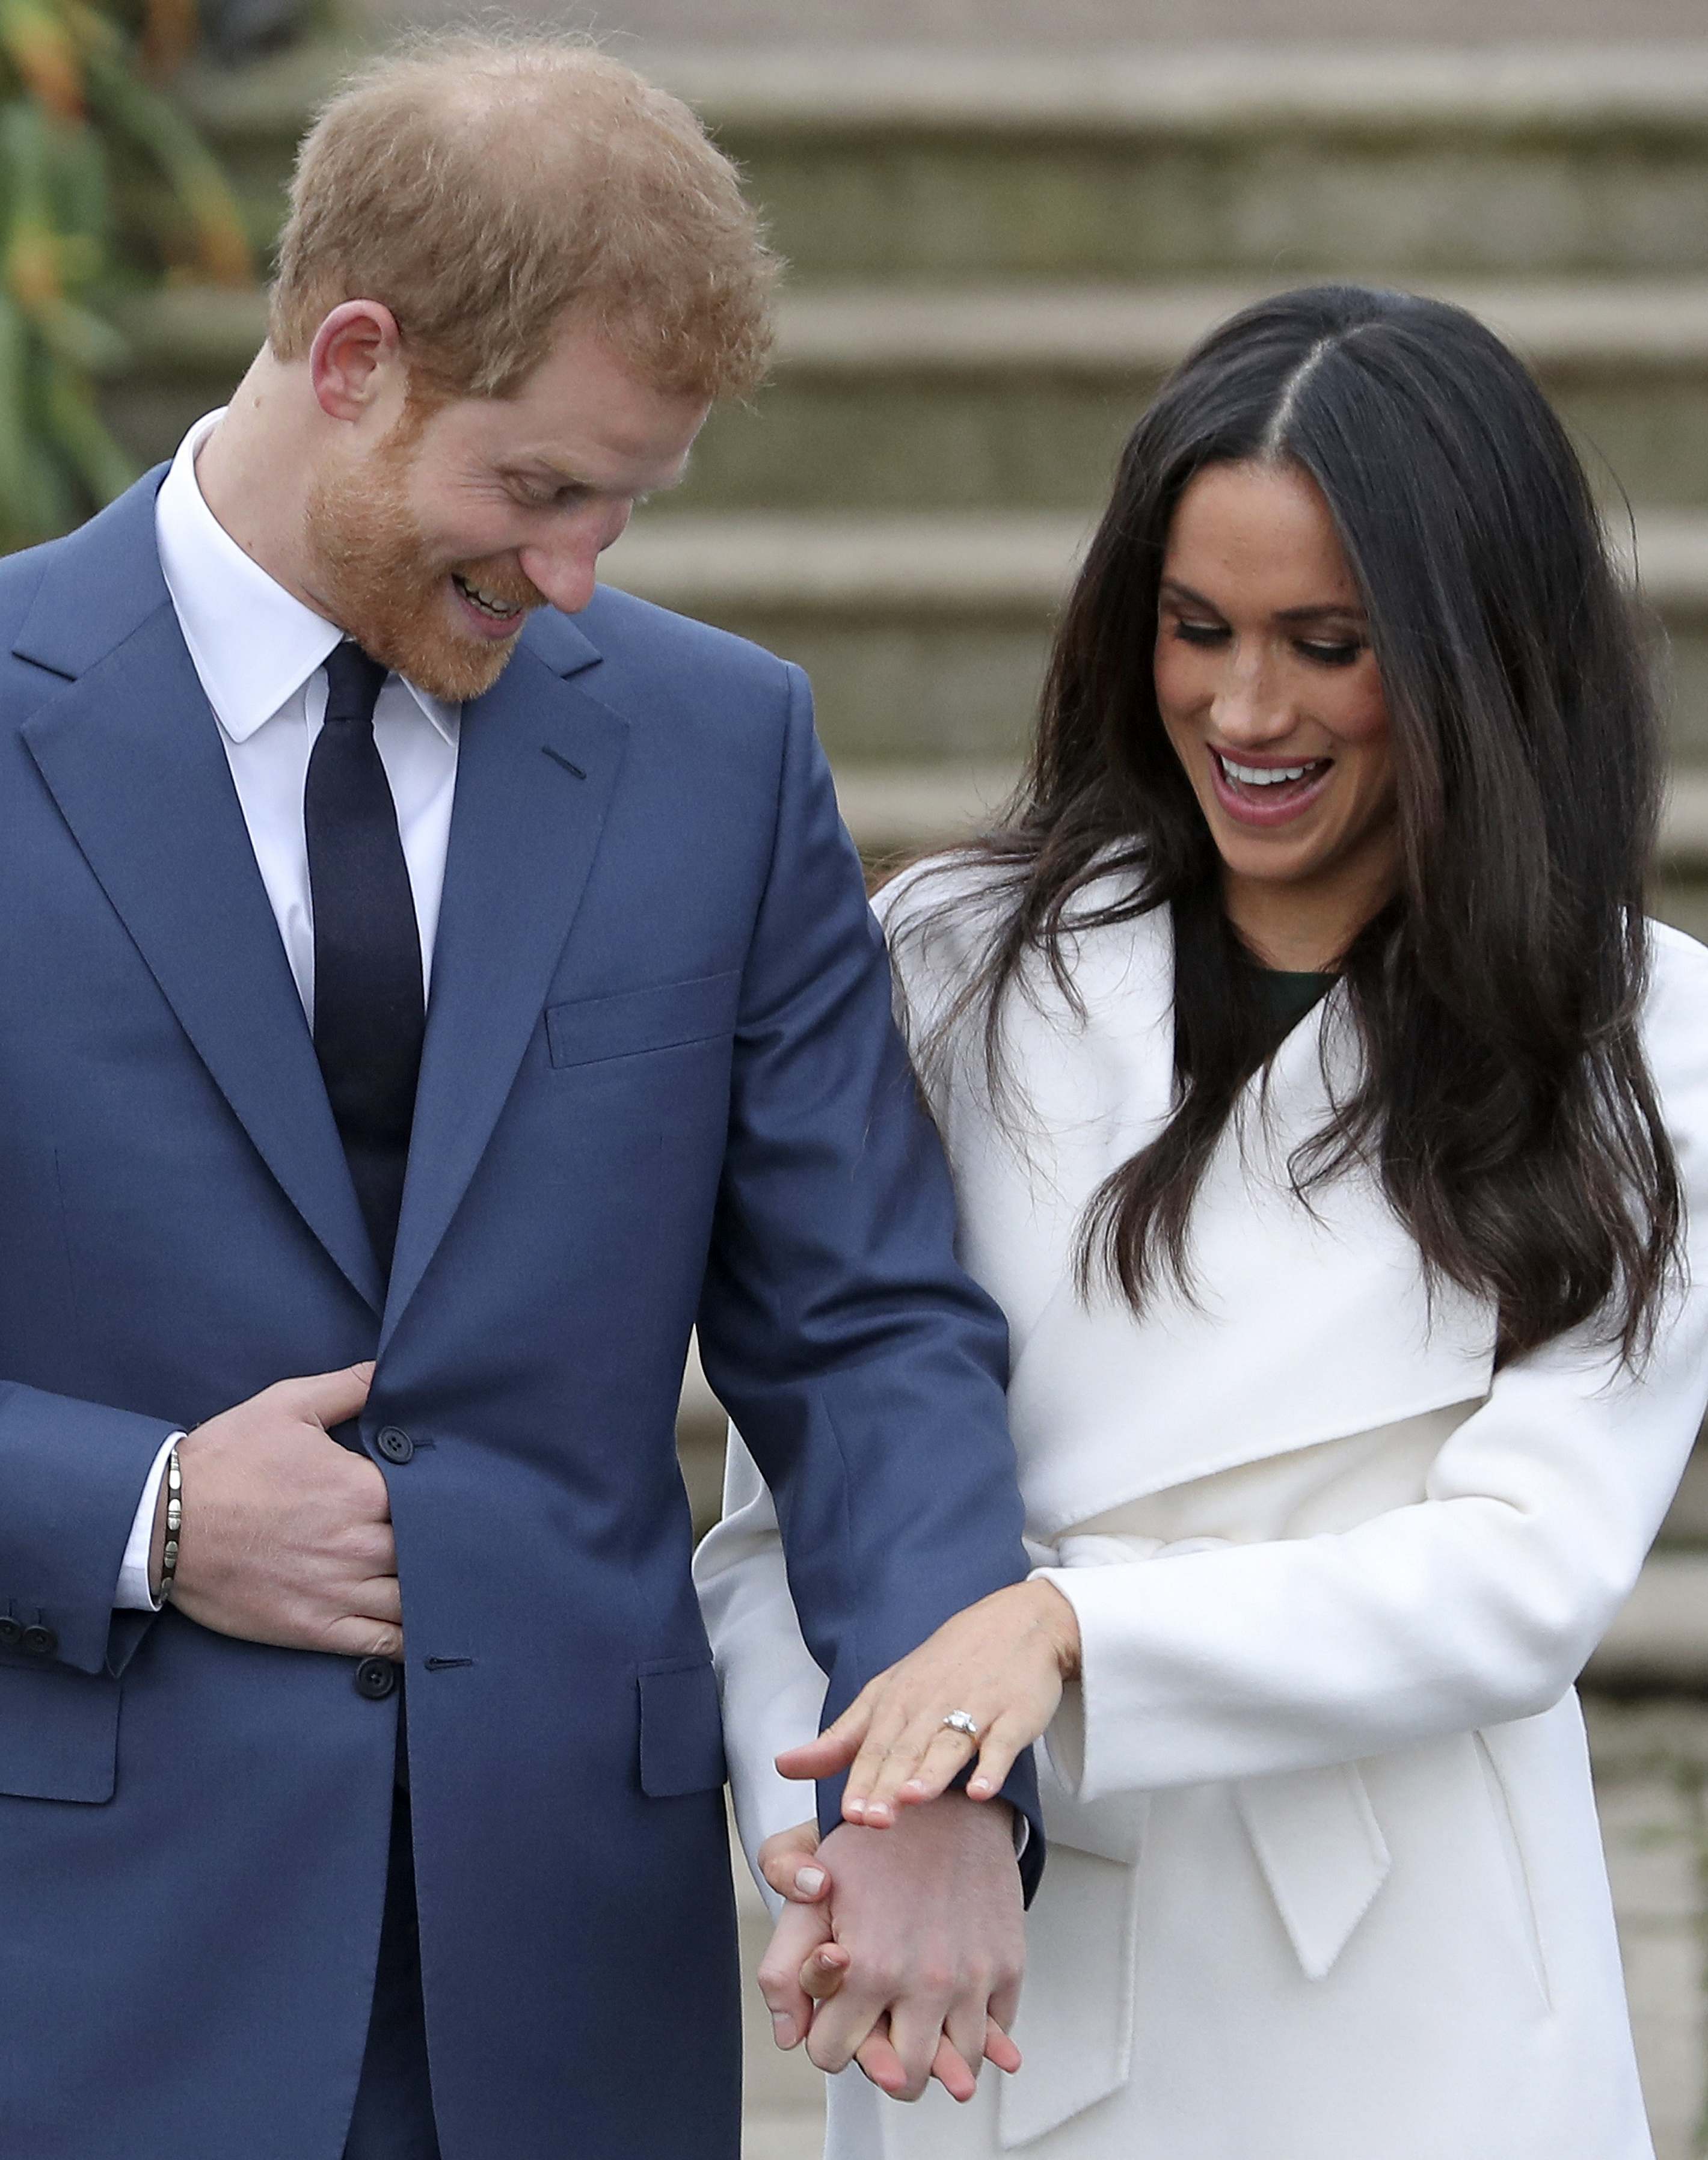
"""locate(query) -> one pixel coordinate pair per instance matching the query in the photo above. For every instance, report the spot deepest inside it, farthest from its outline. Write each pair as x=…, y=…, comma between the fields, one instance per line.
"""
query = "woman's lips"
x=1268, y=803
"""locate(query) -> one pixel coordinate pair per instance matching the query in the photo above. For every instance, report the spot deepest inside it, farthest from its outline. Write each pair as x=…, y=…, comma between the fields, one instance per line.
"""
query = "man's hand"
x=287, y=1536
x=918, y=1972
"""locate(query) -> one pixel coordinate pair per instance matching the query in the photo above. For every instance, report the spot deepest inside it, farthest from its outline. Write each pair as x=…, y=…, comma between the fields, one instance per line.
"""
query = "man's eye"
x=1201, y=633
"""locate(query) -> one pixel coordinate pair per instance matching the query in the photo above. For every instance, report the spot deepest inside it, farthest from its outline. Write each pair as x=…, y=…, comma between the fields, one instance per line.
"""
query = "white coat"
x=1325, y=1878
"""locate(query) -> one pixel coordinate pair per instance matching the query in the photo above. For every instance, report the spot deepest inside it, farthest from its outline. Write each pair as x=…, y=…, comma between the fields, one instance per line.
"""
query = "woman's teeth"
x=1265, y=776
x=488, y=603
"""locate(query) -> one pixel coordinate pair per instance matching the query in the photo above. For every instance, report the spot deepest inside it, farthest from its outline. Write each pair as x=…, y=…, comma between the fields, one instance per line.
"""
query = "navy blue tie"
x=369, y=1008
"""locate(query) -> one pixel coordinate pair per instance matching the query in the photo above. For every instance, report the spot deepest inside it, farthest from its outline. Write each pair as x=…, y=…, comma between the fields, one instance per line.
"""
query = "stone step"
x=921, y=166
x=892, y=397
x=926, y=634
x=1660, y=1639
x=1156, y=164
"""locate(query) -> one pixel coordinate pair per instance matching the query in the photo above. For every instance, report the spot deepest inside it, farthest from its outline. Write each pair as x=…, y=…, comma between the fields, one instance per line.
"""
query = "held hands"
x=901, y=1952
x=287, y=1536
x=1004, y=1661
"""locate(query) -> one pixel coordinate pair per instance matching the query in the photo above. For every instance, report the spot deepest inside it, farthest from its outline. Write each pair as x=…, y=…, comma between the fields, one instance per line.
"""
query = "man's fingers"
x=965, y=2026
x=953, y=2071
x=822, y=1974
x=363, y=1639
x=916, y=2035
x=998, y=2048
x=841, y=2025
x=331, y=1399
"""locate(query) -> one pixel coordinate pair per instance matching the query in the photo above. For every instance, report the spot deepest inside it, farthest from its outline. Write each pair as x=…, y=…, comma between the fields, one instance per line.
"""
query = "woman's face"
x=1270, y=693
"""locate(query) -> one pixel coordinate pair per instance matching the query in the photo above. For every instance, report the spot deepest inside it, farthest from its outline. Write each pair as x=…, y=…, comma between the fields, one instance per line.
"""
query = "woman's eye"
x=1201, y=633
x=1331, y=656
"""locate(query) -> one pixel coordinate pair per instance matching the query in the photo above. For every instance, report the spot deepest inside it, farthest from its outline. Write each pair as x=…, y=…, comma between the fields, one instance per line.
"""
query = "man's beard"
x=383, y=587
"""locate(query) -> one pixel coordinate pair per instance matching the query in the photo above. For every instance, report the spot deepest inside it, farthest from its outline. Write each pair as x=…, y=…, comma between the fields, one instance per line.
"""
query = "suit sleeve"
x=70, y=1473
x=865, y=1370
x=1479, y=1605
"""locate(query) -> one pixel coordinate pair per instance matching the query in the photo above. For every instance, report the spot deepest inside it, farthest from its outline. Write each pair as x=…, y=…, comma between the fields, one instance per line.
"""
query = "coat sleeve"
x=865, y=1370
x=71, y=1474
x=771, y=1688
x=1479, y=1605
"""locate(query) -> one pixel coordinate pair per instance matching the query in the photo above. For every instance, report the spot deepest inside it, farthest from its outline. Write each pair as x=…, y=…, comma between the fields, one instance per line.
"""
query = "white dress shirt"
x=260, y=654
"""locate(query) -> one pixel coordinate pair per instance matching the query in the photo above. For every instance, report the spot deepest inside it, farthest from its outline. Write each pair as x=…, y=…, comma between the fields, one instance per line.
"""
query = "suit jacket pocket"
x=588, y=1030
x=682, y=1728
x=59, y=1733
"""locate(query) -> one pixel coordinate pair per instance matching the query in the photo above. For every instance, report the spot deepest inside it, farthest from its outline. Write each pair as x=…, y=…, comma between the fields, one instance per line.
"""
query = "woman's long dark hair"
x=1504, y=1100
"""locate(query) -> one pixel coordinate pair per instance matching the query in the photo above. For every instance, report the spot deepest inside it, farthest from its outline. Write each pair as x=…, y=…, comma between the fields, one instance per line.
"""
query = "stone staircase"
x=994, y=260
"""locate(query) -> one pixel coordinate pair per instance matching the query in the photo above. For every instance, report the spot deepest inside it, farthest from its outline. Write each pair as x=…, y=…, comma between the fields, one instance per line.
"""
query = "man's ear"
x=355, y=351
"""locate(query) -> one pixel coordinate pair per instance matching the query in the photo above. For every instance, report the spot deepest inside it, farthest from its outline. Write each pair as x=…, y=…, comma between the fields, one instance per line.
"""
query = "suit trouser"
x=393, y=2117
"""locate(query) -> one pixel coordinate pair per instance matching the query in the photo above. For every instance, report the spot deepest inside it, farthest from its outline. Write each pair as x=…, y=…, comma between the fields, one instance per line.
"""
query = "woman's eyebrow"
x=1316, y=611
x=1328, y=611
x=1175, y=590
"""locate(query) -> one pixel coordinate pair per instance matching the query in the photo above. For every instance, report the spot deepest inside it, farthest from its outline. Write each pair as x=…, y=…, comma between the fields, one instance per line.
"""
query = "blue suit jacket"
x=660, y=1084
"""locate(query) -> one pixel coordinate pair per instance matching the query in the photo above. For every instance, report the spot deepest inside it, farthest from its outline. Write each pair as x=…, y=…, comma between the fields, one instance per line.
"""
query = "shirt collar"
x=254, y=645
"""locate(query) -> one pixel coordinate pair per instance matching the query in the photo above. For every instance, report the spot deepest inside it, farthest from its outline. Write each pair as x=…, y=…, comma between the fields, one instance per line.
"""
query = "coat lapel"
x=130, y=752
x=536, y=765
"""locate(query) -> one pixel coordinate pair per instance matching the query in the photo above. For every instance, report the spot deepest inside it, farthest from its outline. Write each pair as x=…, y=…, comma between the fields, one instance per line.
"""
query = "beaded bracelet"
x=174, y=1523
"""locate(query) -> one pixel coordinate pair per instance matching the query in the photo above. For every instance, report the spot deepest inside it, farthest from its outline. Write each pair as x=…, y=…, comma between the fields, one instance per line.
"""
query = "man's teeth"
x=488, y=603
x=1262, y=776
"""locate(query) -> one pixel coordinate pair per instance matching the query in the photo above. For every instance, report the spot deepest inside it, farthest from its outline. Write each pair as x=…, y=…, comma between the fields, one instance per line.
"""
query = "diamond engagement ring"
x=961, y=1721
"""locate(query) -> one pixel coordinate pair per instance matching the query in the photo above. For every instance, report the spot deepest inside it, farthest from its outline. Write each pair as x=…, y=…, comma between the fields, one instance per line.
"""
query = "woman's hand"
x=1003, y=1661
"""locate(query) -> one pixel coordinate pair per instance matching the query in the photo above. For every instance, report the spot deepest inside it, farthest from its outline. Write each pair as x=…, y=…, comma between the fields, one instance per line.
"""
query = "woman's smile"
x=1270, y=695
x=1256, y=791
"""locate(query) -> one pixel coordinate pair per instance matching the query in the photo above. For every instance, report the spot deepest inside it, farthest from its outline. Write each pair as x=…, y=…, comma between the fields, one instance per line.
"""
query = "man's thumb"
x=331, y=1397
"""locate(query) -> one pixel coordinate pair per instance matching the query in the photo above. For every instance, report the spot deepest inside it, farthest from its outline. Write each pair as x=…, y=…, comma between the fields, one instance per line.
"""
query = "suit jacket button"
x=395, y=1443
x=38, y=1642
x=11, y=1632
x=376, y=1678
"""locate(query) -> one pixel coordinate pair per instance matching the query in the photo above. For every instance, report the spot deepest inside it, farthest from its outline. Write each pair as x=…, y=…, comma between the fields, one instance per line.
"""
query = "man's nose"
x=565, y=566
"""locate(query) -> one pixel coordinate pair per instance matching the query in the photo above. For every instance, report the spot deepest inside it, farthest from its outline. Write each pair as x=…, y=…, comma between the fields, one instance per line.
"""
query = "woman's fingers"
x=1000, y=1665
x=798, y=1934
x=916, y=1765
x=925, y=1760
x=879, y=2059
x=836, y=1746
x=788, y=1863
x=950, y=2067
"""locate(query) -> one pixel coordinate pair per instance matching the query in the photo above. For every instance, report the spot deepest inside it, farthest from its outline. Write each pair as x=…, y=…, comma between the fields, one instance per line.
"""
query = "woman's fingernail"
x=878, y=1811
x=783, y=2028
x=980, y=1785
x=809, y=1880
x=855, y=1804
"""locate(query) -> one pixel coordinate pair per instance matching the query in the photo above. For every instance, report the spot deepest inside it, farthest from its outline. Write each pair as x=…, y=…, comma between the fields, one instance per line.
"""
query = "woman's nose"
x=1249, y=705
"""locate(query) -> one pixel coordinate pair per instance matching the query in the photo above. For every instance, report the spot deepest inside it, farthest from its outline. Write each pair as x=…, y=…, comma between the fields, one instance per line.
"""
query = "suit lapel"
x=536, y=765
x=130, y=752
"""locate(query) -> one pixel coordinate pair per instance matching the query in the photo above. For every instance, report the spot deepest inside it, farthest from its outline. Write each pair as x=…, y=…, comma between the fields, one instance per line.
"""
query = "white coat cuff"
x=133, y=1594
